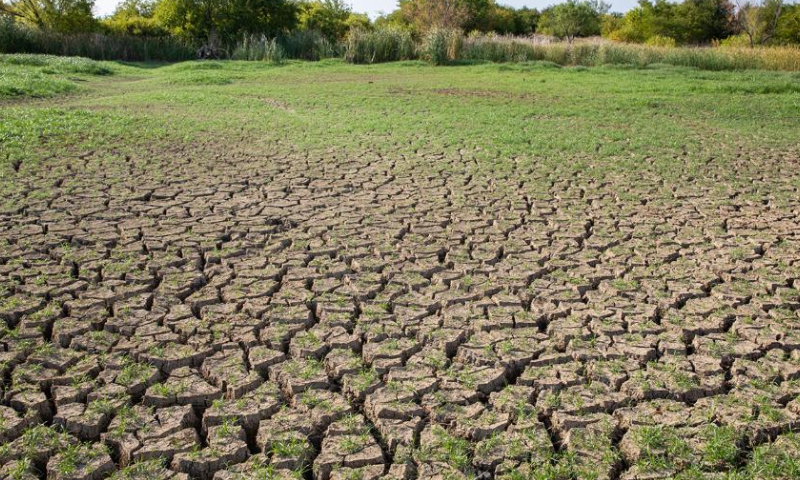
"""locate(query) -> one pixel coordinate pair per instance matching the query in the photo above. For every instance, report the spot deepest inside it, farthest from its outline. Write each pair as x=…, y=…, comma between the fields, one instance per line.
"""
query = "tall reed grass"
x=589, y=54
x=441, y=46
x=308, y=45
x=380, y=45
x=15, y=38
x=259, y=48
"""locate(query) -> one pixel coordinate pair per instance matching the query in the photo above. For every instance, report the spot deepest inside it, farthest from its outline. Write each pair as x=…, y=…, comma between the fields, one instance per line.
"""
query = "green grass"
x=604, y=121
x=44, y=75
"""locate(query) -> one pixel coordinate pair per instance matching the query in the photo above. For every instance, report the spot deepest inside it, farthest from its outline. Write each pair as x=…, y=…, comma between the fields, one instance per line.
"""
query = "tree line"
x=657, y=22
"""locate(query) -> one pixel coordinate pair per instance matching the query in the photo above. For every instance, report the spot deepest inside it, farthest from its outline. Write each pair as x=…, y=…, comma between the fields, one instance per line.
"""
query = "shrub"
x=660, y=41
x=386, y=44
x=736, y=41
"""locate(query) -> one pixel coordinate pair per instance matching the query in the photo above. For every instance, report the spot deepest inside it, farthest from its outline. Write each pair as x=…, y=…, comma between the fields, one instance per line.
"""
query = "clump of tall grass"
x=380, y=45
x=442, y=45
x=54, y=64
x=259, y=48
x=703, y=58
x=16, y=38
x=498, y=49
x=589, y=54
x=308, y=45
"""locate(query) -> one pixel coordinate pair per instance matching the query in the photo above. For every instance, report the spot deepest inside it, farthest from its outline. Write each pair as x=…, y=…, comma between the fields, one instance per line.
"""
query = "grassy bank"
x=27, y=75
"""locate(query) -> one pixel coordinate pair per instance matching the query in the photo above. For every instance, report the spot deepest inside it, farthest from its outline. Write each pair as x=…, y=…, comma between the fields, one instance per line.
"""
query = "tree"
x=358, y=21
x=511, y=21
x=225, y=21
x=788, y=29
x=394, y=19
x=134, y=17
x=573, y=18
x=704, y=21
x=329, y=17
x=758, y=19
x=424, y=15
x=693, y=21
x=429, y=14
x=526, y=20
x=63, y=16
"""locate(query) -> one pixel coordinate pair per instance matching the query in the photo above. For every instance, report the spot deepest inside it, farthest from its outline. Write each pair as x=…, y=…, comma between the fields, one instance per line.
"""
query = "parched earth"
x=235, y=316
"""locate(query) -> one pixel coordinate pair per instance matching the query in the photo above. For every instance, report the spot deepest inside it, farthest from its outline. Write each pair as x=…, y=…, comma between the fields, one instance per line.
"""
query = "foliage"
x=134, y=17
x=758, y=19
x=572, y=19
x=510, y=21
x=63, y=16
x=425, y=15
x=736, y=41
x=225, y=21
x=690, y=22
x=788, y=29
x=660, y=41
x=319, y=29
x=333, y=18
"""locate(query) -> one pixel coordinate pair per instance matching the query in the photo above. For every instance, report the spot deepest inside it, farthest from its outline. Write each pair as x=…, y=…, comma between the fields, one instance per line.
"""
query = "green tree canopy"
x=690, y=22
x=225, y=20
x=758, y=19
x=788, y=28
x=333, y=18
x=573, y=19
x=134, y=17
x=63, y=16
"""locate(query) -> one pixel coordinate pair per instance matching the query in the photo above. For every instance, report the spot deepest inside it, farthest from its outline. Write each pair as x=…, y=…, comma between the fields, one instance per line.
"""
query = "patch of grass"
x=52, y=64
x=446, y=448
x=289, y=448
x=603, y=119
x=23, y=75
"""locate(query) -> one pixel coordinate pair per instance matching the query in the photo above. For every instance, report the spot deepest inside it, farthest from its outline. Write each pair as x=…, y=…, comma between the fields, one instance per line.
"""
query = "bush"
x=736, y=41
x=660, y=41
x=388, y=44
